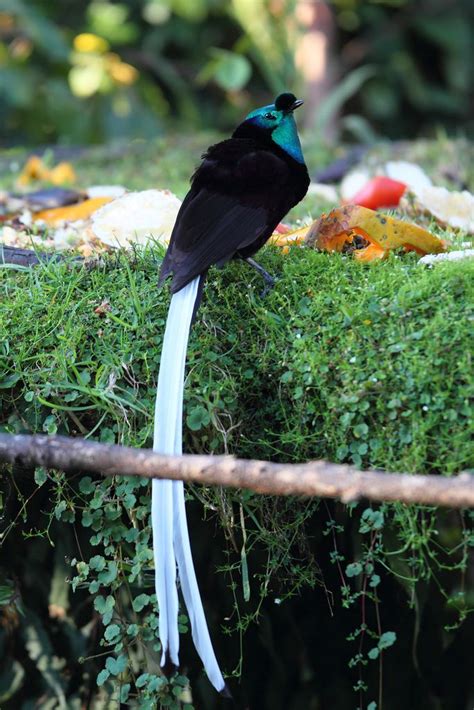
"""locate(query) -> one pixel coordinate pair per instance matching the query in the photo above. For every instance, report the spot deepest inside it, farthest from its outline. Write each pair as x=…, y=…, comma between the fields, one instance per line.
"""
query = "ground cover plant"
x=358, y=606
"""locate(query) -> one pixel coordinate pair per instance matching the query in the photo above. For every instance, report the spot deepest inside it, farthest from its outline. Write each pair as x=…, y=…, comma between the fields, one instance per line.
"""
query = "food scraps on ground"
x=369, y=235
x=71, y=213
x=380, y=191
x=90, y=225
x=449, y=208
x=291, y=237
x=410, y=173
x=136, y=218
x=112, y=191
x=458, y=255
x=361, y=182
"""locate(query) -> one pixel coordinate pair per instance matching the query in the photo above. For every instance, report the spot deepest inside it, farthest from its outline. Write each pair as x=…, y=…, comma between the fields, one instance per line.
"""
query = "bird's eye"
x=270, y=116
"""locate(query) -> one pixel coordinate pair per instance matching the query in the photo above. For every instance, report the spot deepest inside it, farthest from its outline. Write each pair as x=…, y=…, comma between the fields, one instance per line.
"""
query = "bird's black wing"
x=232, y=203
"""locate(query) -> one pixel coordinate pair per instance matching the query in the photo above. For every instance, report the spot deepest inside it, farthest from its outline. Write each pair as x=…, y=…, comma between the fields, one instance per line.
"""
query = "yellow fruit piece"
x=72, y=213
x=391, y=233
x=333, y=231
x=293, y=238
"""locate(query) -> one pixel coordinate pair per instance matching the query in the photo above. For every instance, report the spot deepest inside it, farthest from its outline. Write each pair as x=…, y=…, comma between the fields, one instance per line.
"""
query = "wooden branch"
x=317, y=478
x=22, y=257
x=29, y=257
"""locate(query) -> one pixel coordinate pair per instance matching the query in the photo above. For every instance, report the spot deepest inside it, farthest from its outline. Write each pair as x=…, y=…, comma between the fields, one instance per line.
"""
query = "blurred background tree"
x=77, y=72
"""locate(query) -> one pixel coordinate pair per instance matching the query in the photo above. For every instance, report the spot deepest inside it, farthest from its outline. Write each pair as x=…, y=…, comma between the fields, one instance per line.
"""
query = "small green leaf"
x=41, y=475
x=111, y=632
x=102, y=677
x=107, y=436
x=110, y=574
x=374, y=581
x=59, y=509
x=229, y=70
x=142, y=680
x=6, y=595
x=387, y=639
x=104, y=604
x=361, y=430
x=84, y=377
x=140, y=602
x=353, y=569
x=97, y=563
x=8, y=381
x=198, y=418
x=156, y=682
x=115, y=666
x=50, y=425
x=87, y=519
x=86, y=485
x=124, y=692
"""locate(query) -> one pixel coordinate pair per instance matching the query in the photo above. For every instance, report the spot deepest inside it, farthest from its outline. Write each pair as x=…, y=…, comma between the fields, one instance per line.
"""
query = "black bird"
x=240, y=192
x=242, y=189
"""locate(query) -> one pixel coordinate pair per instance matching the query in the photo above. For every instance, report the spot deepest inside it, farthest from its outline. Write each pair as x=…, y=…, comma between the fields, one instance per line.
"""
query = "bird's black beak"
x=296, y=104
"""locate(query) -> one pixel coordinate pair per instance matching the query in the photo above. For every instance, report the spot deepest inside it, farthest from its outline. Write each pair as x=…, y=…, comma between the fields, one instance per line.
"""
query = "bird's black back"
x=240, y=192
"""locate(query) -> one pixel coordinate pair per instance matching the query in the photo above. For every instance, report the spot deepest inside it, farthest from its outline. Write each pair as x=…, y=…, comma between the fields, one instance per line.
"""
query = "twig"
x=316, y=478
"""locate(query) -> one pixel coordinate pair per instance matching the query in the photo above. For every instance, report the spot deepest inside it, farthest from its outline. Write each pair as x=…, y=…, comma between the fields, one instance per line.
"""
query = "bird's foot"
x=269, y=280
x=268, y=288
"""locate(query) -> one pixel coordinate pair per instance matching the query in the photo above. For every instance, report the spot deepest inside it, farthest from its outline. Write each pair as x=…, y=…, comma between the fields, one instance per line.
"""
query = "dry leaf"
x=370, y=235
x=49, y=198
x=103, y=308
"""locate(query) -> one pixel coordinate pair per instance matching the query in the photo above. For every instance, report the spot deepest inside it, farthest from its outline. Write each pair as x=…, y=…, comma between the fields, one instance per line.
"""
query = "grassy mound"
x=369, y=365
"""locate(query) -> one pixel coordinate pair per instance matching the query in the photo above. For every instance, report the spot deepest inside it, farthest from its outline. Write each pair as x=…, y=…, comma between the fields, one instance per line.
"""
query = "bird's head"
x=277, y=121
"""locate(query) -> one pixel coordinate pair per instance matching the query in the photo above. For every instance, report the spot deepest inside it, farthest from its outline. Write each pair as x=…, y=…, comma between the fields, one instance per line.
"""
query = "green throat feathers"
x=282, y=126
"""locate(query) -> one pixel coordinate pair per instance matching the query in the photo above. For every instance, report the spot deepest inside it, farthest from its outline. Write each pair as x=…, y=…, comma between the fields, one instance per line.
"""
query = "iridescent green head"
x=278, y=120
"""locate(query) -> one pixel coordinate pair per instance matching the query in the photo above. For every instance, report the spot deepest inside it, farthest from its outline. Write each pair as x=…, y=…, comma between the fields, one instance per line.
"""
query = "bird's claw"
x=268, y=287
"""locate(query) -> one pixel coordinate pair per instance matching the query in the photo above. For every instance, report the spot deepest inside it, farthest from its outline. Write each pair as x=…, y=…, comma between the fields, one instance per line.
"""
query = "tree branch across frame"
x=316, y=478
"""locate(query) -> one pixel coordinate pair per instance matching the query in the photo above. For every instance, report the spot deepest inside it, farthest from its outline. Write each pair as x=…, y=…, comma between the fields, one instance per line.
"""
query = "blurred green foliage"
x=422, y=54
x=91, y=71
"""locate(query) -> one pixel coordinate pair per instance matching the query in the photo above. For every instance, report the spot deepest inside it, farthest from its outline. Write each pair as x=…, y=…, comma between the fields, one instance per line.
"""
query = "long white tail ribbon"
x=168, y=514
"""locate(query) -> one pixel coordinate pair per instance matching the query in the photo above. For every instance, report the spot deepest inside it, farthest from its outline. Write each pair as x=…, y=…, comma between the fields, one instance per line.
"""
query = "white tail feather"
x=168, y=517
x=190, y=589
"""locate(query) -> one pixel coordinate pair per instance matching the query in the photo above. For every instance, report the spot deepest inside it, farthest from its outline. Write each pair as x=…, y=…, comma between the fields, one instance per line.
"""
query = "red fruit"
x=282, y=228
x=379, y=192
